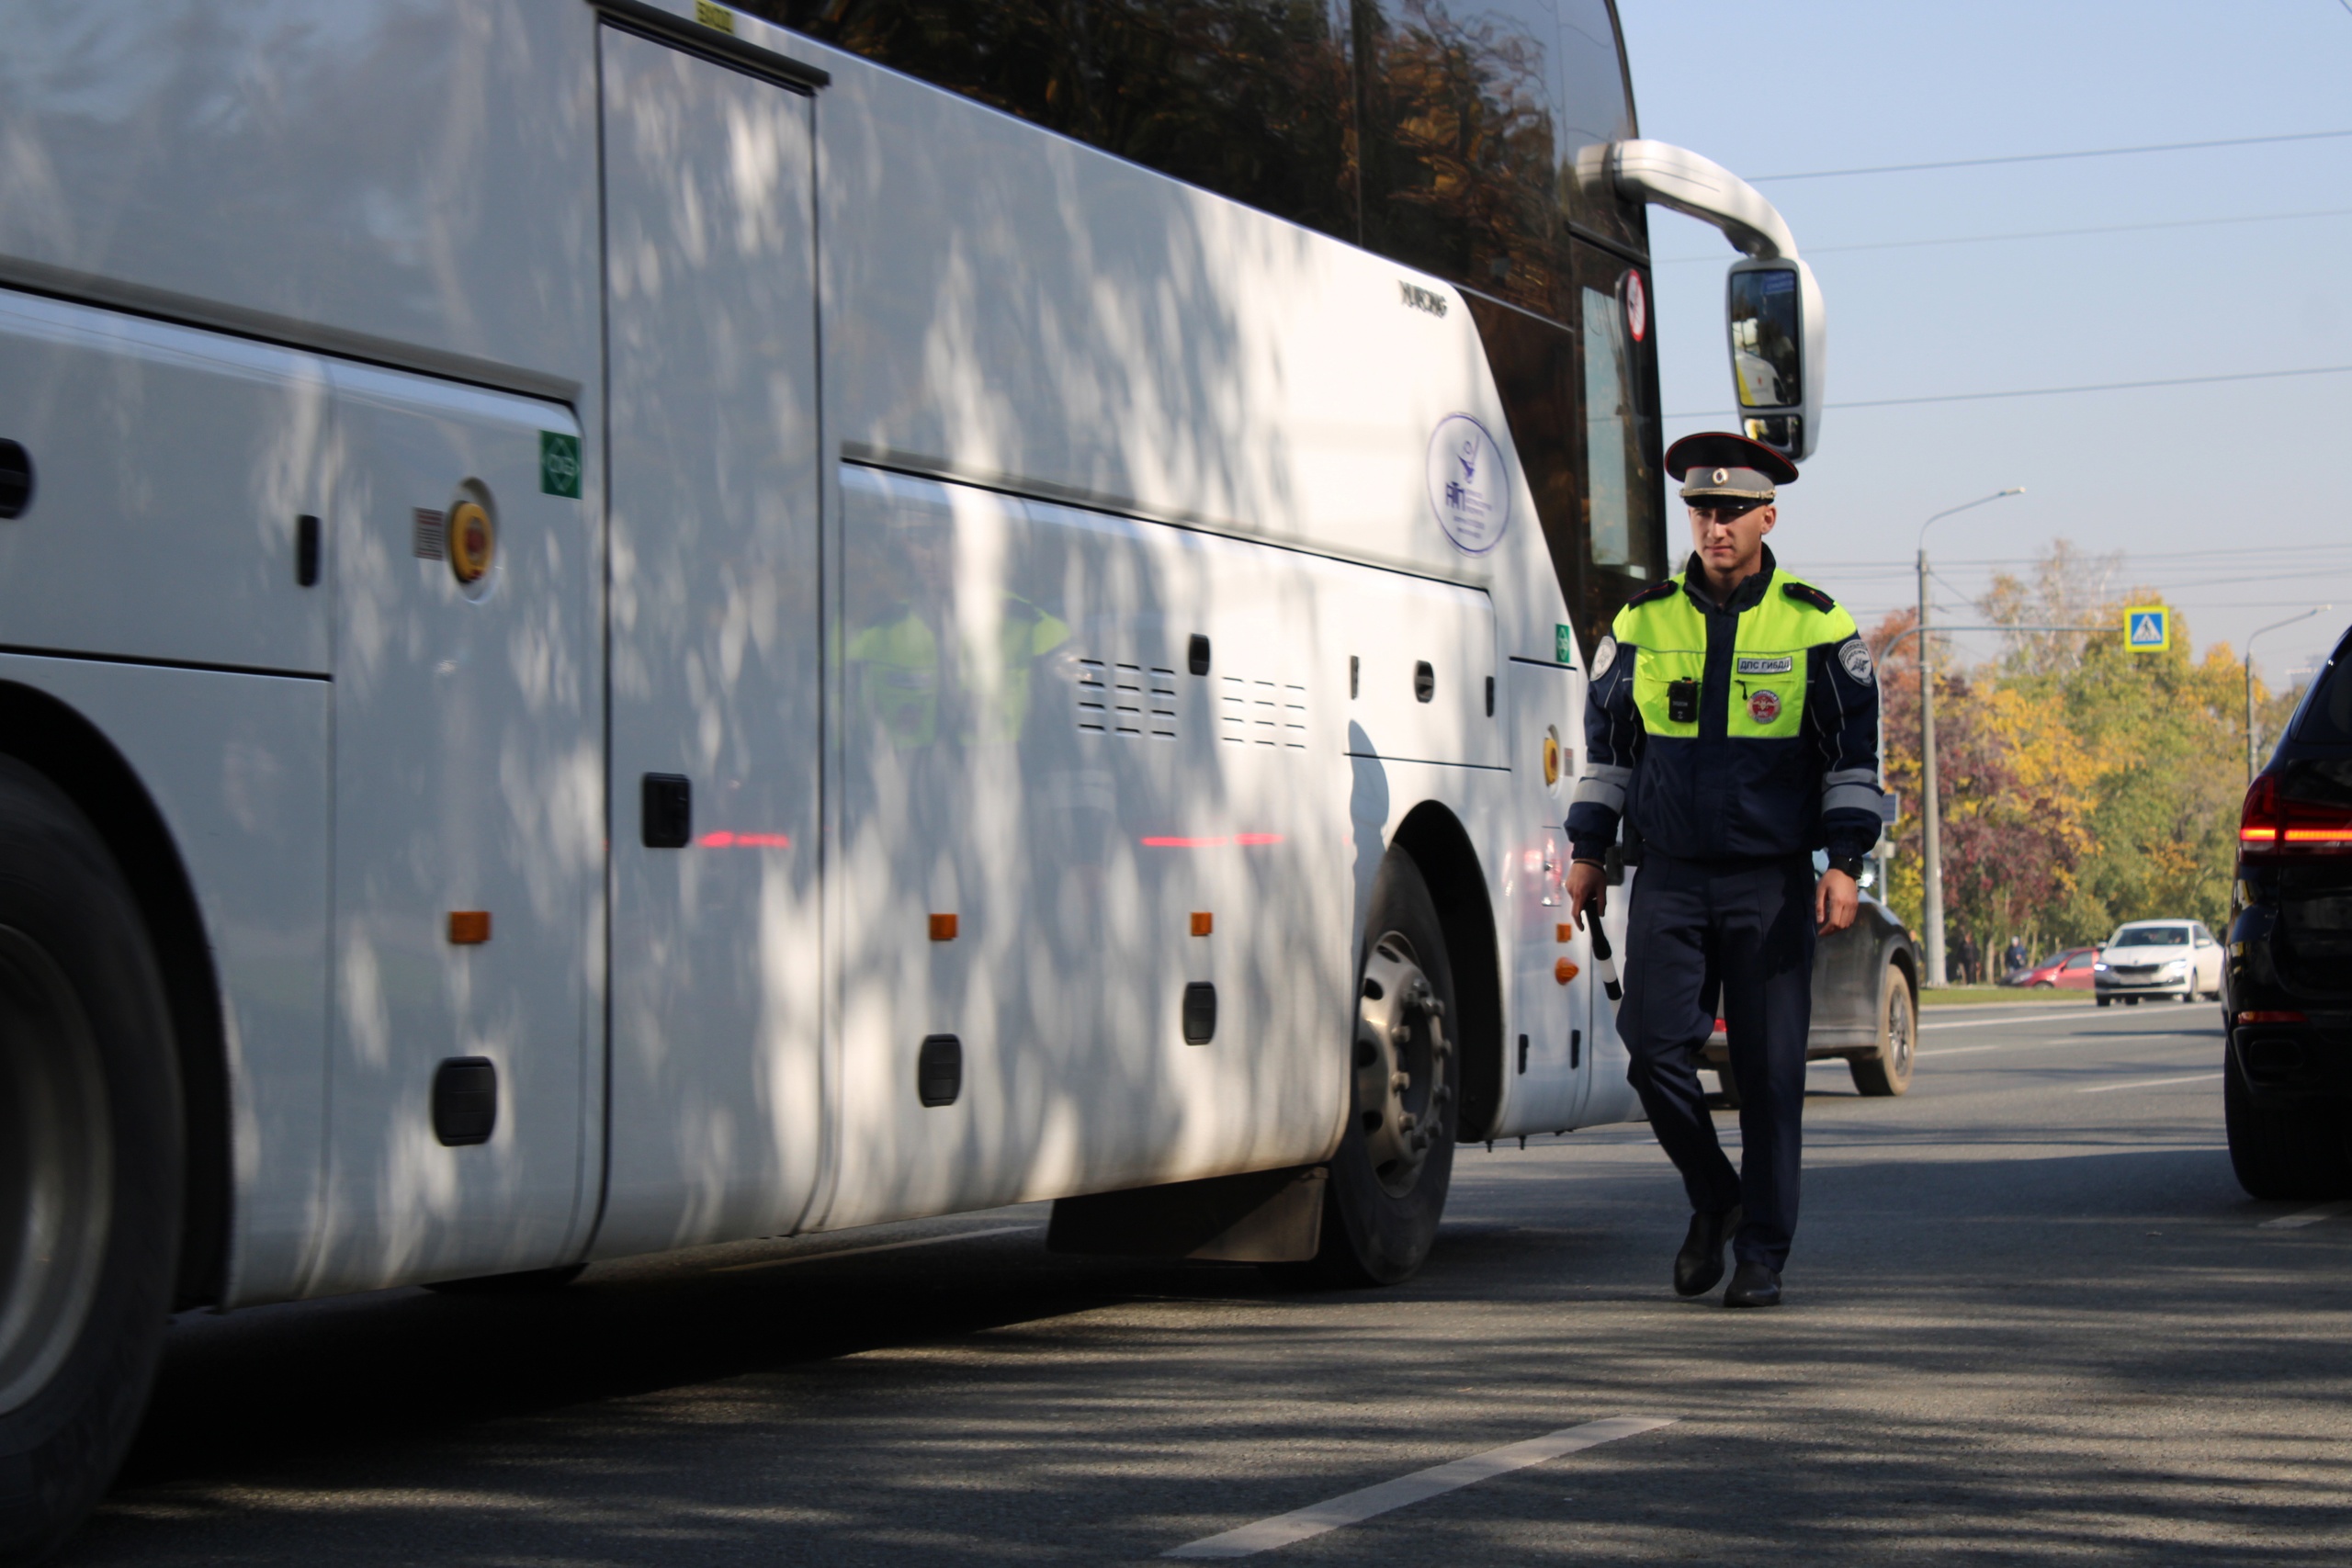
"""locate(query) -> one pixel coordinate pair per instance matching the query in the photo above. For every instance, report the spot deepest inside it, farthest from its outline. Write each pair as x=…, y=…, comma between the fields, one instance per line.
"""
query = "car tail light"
x=2274, y=1015
x=2273, y=821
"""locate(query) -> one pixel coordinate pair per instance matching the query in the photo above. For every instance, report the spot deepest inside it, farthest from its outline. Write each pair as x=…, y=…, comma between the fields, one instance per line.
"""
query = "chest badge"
x=1764, y=706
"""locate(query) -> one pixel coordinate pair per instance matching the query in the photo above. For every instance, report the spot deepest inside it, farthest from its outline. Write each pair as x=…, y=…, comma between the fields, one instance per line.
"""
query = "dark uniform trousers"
x=1748, y=926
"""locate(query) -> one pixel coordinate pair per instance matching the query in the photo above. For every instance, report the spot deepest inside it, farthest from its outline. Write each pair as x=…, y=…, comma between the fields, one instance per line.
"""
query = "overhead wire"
x=2041, y=233
x=2060, y=392
x=2054, y=157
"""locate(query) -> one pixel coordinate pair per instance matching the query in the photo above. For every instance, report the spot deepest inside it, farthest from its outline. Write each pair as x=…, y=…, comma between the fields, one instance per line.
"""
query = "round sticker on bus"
x=1637, y=306
x=1468, y=486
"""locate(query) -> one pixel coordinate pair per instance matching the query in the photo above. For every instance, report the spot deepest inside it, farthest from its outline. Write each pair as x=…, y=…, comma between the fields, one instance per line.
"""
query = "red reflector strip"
x=1216, y=843
x=2272, y=1016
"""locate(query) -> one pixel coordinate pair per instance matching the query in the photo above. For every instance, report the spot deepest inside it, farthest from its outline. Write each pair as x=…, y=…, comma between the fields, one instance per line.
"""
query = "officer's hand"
x=1587, y=884
x=1835, y=899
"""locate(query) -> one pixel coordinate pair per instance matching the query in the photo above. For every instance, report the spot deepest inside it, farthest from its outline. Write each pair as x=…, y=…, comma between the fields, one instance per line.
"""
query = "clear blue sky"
x=2234, y=498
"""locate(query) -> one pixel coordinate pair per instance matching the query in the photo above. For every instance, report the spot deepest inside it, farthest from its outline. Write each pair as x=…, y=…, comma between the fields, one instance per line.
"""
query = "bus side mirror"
x=1778, y=339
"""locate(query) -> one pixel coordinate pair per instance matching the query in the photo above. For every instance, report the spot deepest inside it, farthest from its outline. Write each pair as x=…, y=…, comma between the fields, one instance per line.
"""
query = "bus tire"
x=1888, y=1069
x=1389, y=1178
x=91, y=1153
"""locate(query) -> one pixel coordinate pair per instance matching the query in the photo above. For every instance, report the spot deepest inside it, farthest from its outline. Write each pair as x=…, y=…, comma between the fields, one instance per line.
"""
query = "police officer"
x=1731, y=724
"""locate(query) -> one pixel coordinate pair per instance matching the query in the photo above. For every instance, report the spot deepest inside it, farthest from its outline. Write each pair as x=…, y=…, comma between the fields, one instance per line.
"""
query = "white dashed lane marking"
x=2302, y=1217
x=1407, y=1490
x=2147, y=1083
x=881, y=1246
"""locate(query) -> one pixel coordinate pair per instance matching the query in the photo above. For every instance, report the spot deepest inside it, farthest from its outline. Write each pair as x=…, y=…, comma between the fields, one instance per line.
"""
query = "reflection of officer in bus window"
x=894, y=654
x=1733, y=722
x=1025, y=634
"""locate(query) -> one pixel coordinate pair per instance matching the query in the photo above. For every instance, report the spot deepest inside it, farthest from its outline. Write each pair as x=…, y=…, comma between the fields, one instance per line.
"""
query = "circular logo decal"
x=1764, y=706
x=1467, y=485
x=1856, y=657
x=1603, y=658
x=1637, y=307
x=1551, y=757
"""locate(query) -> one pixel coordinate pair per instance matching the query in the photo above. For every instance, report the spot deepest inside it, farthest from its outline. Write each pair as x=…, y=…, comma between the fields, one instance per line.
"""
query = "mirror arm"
x=1698, y=187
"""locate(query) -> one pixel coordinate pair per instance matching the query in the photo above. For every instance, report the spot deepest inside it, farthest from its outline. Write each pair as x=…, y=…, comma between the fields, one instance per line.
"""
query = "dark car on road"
x=2286, y=1083
x=1865, y=1001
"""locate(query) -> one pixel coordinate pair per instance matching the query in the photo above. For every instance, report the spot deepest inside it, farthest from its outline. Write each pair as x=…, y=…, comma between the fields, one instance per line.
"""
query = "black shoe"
x=1701, y=1262
x=1753, y=1285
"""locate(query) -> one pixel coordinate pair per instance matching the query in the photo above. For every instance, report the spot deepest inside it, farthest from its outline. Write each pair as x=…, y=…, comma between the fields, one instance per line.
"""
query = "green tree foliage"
x=2082, y=785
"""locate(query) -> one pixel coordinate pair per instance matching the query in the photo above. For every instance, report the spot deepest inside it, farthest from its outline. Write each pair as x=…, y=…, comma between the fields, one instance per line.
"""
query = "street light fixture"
x=2273, y=627
x=1931, y=824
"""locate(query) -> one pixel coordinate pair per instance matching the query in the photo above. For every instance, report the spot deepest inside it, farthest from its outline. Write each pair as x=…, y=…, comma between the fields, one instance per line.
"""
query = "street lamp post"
x=2273, y=627
x=1931, y=824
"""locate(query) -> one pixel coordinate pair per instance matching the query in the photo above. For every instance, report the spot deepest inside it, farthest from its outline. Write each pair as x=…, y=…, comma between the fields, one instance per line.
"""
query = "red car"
x=2067, y=971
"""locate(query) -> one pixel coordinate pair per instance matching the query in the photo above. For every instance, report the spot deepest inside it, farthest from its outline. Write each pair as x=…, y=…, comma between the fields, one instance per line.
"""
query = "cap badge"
x=1721, y=474
x=1764, y=706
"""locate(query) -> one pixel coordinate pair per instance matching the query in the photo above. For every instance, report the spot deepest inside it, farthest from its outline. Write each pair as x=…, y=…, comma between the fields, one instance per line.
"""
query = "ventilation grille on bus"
x=1264, y=713
x=1126, y=699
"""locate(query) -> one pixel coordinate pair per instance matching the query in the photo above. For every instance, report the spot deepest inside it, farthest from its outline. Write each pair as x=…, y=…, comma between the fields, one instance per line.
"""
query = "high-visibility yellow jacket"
x=1741, y=730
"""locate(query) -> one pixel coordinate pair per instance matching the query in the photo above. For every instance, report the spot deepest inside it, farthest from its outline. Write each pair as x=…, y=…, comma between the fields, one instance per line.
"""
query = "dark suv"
x=2287, y=1087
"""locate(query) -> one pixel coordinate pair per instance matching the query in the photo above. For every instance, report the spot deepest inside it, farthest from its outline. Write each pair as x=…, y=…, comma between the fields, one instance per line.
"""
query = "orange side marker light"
x=1564, y=971
x=1564, y=932
x=1203, y=923
x=467, y=927
x=942, y=928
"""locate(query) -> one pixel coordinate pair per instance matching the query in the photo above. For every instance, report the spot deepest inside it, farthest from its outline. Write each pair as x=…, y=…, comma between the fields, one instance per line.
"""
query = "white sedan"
x=2158, y=958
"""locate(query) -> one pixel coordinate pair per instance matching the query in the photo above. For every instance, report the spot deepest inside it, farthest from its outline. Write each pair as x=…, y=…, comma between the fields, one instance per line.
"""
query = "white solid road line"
x=2302, y=1217
x=881, y=1246
x=2147, y=1083
x=1357, y=1507
x=2014, y=1017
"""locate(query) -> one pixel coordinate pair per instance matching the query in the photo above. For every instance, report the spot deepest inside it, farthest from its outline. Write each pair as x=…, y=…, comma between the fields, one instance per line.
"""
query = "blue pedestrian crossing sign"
x=2147, y=628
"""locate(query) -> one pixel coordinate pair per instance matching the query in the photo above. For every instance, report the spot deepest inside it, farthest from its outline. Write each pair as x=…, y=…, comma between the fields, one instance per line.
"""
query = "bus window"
x=1596, y=110
x=1443, y=133
x=1252, y=101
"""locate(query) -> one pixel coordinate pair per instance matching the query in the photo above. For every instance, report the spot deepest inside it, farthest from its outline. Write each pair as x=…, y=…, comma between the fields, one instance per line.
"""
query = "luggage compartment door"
x=710, y=351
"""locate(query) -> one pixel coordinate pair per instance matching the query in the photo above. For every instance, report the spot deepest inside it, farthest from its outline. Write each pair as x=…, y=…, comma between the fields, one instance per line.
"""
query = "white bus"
x=624, y=626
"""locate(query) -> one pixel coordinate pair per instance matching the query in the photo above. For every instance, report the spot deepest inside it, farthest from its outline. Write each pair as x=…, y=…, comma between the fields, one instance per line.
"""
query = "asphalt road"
x=2030, y=1318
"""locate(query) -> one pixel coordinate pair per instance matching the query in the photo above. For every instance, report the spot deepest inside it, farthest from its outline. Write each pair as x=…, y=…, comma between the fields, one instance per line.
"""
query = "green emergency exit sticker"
x=559, y=464
x=1564, y=645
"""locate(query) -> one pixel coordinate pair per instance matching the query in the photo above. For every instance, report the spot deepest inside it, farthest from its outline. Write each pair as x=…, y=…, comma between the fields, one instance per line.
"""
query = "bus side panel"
x=170, y=469
x=1012, y=306
x=237, y=768
x=1544, y=1080
x=1611, y=1098
x=1028, y=753
x=467, y=836
x=410, y=179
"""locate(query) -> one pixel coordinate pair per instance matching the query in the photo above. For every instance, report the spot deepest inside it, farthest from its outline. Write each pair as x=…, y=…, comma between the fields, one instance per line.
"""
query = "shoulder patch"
x=1806, y=593
x=1656, y=591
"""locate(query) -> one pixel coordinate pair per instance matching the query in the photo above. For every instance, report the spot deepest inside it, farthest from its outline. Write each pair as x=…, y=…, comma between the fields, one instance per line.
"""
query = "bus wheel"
x=90, y=1157
x=1888, y=1070
x=1390, y=1179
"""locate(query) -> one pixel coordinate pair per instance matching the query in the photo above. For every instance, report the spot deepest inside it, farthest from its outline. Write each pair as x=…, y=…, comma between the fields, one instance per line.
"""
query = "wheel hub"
x=1403, y=1063
x=56, y=1168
